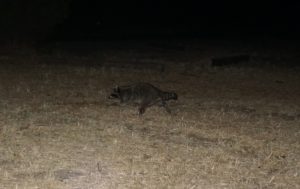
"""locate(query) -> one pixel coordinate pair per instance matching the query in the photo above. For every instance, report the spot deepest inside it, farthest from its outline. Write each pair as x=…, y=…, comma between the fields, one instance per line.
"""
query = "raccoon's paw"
x=141, y=111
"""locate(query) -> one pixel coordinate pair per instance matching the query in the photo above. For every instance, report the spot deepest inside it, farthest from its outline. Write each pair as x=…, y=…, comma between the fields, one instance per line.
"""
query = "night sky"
x=182, y=18
x=96, y=19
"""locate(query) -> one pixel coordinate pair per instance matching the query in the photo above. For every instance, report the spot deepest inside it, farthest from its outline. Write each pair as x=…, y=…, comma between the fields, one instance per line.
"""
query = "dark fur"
x=144, y=94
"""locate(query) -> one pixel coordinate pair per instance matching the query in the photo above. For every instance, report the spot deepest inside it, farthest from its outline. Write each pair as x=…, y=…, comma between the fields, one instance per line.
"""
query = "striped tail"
x=169, y=96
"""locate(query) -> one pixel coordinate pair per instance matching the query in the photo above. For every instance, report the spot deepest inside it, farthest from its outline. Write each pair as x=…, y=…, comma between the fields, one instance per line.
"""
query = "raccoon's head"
x=115, y=93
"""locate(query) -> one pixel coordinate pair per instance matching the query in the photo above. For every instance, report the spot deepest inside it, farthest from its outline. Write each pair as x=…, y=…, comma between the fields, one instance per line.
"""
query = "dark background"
x=95, y=19
x=167, y=18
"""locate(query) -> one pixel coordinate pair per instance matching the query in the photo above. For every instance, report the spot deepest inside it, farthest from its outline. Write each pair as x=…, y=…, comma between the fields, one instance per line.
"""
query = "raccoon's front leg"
x=143, y=107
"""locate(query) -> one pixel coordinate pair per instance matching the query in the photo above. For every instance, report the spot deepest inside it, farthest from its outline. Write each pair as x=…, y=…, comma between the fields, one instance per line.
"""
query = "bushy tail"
x=169, y=96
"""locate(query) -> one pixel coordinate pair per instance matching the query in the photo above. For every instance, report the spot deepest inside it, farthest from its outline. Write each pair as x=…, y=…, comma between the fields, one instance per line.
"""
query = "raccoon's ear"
x=117, y=89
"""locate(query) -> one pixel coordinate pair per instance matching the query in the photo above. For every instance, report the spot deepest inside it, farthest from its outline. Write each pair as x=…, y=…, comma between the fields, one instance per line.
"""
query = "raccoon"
x=144, y=94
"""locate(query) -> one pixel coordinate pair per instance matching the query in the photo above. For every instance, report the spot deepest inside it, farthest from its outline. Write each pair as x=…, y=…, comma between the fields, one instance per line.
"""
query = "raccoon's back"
x=139, y=92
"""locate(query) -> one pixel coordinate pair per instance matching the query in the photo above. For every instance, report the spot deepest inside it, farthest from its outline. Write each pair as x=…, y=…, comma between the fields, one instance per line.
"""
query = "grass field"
x=232, y=127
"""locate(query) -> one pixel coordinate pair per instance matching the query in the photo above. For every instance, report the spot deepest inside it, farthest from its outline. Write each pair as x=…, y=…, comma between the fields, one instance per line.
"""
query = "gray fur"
x=144, y=94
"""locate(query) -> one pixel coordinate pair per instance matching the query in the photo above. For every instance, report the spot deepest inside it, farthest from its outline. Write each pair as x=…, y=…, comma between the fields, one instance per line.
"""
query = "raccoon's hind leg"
x=165, y=105
x=167, y=109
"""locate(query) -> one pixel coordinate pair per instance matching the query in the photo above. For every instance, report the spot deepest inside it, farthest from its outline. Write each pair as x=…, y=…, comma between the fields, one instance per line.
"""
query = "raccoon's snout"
x=114, y=95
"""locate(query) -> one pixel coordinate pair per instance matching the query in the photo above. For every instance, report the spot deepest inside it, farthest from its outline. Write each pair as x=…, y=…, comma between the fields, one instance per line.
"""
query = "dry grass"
x=231, y=128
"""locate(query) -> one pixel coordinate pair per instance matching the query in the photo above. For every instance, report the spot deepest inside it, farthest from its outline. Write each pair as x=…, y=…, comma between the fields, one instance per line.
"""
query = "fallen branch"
x=230, y=60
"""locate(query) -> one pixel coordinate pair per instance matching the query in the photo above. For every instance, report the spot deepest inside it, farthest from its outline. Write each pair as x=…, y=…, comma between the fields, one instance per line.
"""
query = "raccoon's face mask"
x=115, y=93
x=175, y=97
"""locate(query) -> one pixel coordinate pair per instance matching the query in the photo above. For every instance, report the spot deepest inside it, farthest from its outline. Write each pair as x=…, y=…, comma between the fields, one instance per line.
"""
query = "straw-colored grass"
x=230, y=128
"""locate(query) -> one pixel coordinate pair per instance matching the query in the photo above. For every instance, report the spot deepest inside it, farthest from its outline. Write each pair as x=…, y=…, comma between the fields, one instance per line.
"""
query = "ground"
x=232, y=127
